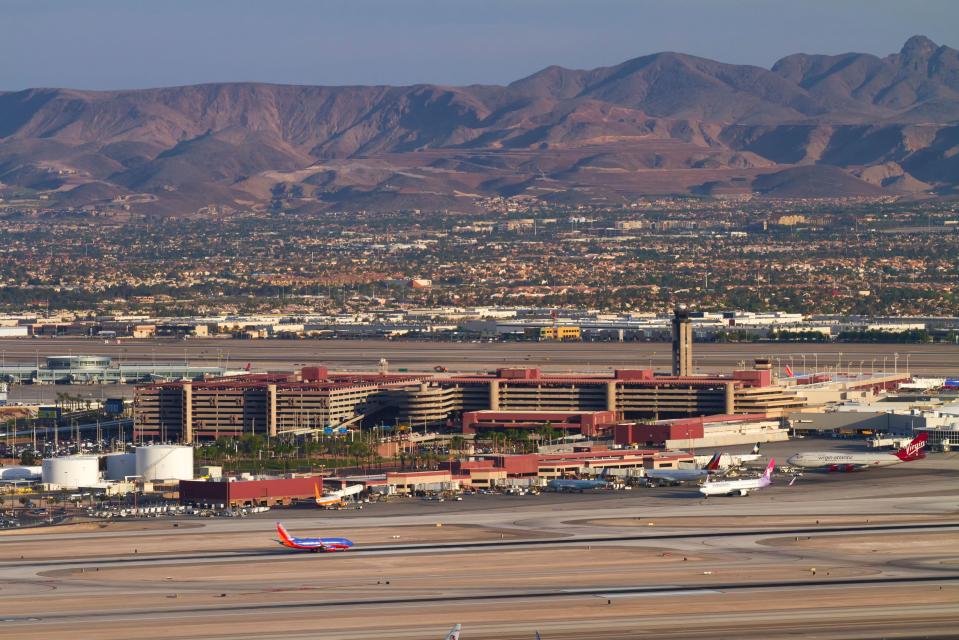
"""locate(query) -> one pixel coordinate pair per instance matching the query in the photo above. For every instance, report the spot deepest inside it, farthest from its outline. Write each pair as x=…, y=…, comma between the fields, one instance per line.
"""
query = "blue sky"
x=114, y=44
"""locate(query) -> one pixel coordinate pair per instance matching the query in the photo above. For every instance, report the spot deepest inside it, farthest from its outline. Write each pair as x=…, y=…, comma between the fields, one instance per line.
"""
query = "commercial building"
x=249, y=493
x=315, y=400
x=704, y=431
x=587, y=423
x=82, y=369
x=311, y=401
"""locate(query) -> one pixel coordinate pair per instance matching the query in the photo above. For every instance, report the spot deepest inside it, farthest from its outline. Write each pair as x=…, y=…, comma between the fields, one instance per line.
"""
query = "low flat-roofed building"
x=403, y=482
x=253, y=493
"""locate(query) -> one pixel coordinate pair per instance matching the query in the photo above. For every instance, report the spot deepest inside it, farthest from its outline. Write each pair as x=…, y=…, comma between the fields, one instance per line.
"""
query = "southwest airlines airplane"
x=311, y=544
x=837, y=461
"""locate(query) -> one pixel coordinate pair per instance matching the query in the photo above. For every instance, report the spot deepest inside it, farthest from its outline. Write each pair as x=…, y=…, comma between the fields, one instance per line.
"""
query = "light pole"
x=907, y=363
x=895, y=360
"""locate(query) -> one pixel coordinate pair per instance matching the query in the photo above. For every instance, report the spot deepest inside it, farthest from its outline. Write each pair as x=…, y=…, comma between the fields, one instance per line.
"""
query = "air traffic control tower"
x=682, y=342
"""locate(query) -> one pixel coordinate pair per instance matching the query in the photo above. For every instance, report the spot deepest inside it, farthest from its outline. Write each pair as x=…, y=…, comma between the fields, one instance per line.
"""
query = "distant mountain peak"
x=918, y=47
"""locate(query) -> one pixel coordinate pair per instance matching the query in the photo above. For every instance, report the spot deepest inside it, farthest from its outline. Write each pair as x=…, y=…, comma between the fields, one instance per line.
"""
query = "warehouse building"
x=249, y=493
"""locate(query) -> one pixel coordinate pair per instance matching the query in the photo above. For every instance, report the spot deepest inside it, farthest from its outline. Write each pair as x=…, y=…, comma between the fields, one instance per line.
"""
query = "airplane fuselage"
x=842, y=461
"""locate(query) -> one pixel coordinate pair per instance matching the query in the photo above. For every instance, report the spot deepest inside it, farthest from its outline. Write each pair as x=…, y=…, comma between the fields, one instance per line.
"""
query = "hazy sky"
x=106, y=44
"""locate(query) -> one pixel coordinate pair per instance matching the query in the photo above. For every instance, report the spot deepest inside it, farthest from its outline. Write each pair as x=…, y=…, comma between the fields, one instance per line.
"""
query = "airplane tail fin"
x=713, y=463
x=537, y=636
x=316, y=491
x=913, y=450
x=768, y=473
x=603, y=473
x=284, y=535
x=454, y=633
x=756, y=448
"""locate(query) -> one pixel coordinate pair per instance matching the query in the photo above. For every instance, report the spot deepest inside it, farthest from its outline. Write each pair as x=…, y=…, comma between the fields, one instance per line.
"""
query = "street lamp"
x=896, y=362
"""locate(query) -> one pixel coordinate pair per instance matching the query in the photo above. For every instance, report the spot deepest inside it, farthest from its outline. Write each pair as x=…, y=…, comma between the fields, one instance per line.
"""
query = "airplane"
x=836, y=461
x=676, y=476
x=748, y=457
x=559, y=484
x=739, y=487
x=454, y=633
x=335, y=499
x=313, y=545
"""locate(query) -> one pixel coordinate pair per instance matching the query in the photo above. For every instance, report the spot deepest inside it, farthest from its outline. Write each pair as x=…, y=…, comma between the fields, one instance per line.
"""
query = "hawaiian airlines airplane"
x=837, y=461
x=739, y=487
x=311, y=544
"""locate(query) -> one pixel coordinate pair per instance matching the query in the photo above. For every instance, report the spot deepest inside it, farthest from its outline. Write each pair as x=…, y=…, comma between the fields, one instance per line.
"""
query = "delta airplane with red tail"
x=311, y=544
x=837, y=461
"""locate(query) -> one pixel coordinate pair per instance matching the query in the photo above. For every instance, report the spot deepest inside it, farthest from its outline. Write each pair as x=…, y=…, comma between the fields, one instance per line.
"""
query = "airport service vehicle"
x=560, y=484
x=314, y=545
x=677, y=476
x=454, y=633
x=739, y=487
x=336, y=498
x=845, y=462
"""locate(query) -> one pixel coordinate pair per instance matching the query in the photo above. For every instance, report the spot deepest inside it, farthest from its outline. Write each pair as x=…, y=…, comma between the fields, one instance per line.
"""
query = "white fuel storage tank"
x=121, y=465
x=13, y=474
x=71, y=472
x=164, y=462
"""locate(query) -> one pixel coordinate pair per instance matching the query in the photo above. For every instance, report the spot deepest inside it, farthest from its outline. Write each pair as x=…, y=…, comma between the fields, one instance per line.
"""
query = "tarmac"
x=861, y=555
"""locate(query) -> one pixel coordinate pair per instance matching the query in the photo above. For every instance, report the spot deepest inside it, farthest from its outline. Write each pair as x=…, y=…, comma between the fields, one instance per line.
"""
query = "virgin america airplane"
x=838, y=461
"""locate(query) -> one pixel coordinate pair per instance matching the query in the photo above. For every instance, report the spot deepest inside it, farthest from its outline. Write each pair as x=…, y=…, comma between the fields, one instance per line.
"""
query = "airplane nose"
x=794, y=459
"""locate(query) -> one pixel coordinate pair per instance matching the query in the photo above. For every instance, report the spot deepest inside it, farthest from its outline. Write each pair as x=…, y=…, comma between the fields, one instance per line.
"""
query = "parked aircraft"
x=335, y=498
x=739, y=487
x=676, y=476
x=748, y=457
x=838, y=461
x=311, y=544
x=560, y=484
x=454, y=633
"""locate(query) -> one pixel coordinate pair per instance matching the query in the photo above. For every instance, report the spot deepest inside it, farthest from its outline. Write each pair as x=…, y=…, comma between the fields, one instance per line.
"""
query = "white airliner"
x=838, y=461
x=739, y=487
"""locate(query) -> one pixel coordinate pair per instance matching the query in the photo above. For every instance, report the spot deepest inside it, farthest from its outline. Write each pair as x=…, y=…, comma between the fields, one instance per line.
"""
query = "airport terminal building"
x=315, y=400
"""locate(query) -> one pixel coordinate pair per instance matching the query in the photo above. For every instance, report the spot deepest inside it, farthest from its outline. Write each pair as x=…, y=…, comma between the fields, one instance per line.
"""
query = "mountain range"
x=811, y=126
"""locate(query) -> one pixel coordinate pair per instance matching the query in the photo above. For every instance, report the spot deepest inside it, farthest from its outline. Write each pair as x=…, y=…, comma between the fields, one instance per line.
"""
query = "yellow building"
x=562, y=333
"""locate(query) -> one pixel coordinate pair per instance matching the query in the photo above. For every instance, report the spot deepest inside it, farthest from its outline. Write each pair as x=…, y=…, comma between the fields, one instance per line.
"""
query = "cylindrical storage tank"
x=121, y=465
x=164, y=462
x=71, y=472
x=11, y=474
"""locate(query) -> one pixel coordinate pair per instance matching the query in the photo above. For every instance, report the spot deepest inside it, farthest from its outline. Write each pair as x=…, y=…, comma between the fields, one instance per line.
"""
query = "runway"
x=846, y=555
x=422, y=356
